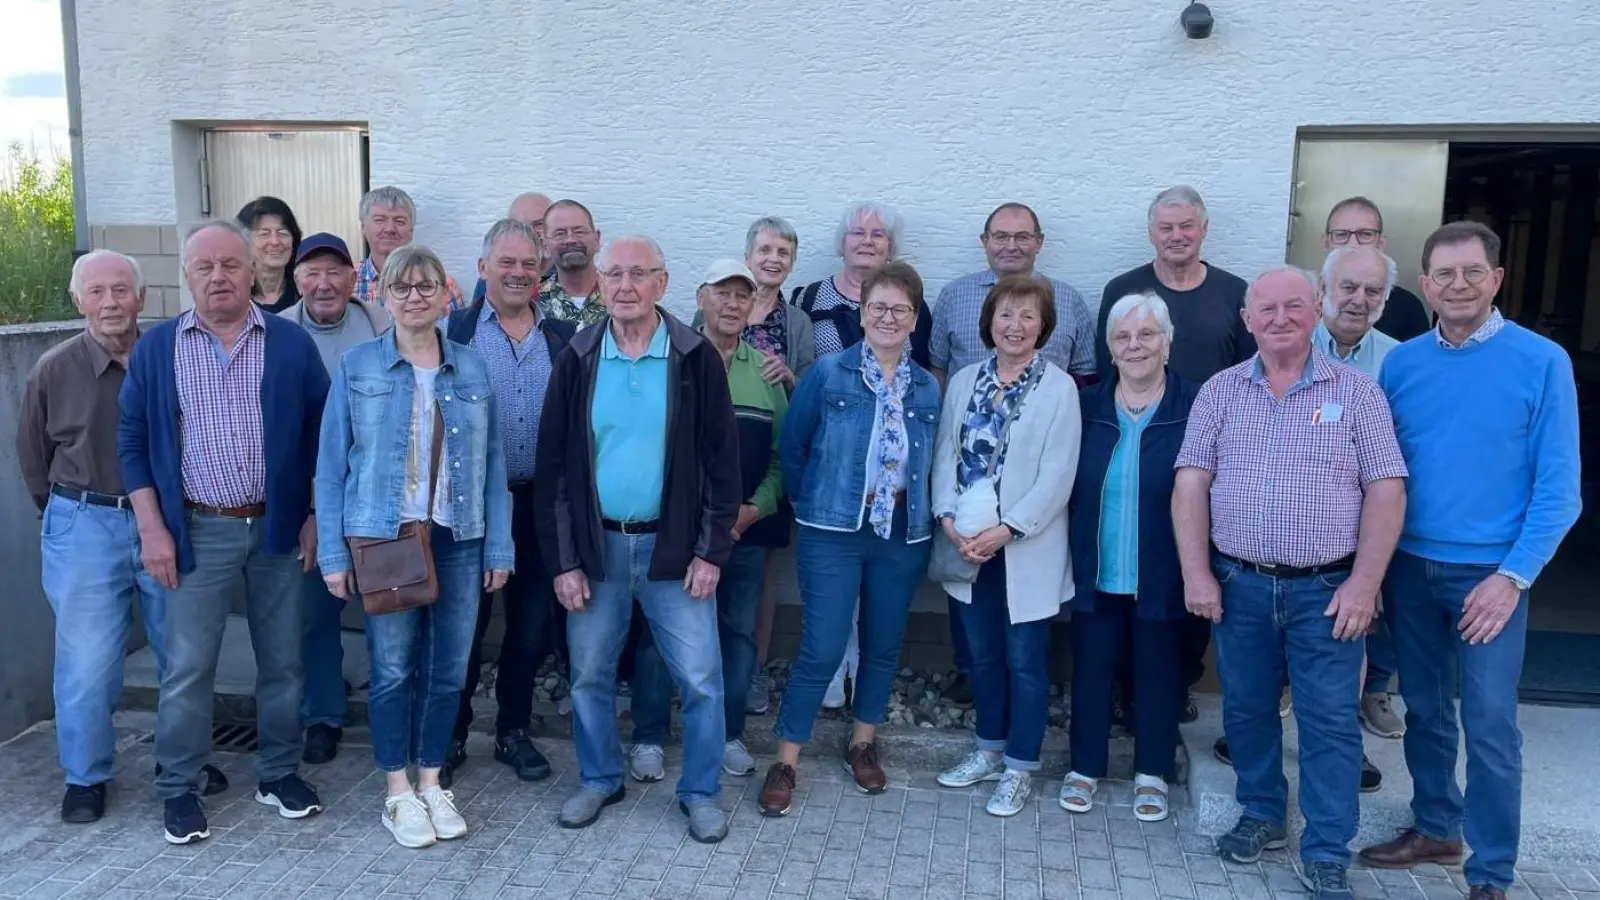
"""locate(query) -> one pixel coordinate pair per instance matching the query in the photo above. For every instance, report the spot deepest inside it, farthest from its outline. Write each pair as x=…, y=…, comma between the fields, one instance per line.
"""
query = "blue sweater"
x=1490, y=434
x=293, y=391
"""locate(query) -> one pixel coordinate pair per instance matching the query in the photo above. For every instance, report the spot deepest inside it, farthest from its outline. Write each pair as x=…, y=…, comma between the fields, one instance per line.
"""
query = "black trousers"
x=1100, y=642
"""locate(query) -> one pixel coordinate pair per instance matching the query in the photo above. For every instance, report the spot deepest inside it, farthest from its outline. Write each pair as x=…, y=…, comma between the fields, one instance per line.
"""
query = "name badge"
x=1328, y=412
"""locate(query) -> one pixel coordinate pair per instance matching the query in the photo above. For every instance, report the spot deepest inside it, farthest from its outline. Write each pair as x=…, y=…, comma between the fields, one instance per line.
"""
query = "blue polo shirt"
x=629, y=419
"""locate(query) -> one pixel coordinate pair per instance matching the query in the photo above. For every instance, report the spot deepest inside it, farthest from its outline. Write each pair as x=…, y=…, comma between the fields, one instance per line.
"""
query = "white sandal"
x=1150, y=798
x=1077, y=793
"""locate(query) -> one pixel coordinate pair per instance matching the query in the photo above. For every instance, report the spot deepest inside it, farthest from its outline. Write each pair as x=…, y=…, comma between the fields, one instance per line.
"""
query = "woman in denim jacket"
x=856, y=449
x=373, y=469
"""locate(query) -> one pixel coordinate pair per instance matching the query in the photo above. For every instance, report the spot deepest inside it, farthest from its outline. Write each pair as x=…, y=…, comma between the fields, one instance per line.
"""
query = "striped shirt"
x=219, y=412
x=519, y=372
x=956, y=343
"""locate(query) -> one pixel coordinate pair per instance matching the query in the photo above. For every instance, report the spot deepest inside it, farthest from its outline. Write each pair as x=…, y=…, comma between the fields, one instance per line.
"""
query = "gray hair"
x=1330, y=266
x=1177, y=196
x=1309, y=278
x=510, y=228
x=204, y=225
x=1146, y=302
x=387, y=196
x=776, y=225
x=891, y=220
x=412, y=257
x=75, y=286
x=611, y=246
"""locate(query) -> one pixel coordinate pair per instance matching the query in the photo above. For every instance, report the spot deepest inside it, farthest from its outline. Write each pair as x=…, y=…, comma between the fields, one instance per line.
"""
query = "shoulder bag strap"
x=1005, y=426
x=438, y=451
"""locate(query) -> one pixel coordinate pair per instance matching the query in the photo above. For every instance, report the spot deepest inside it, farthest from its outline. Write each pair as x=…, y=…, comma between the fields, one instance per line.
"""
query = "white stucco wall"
x=686, y=119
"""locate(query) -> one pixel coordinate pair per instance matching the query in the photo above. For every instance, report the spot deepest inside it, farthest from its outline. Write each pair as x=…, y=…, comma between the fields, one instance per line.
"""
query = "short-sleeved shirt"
x=629, y=420
x=558, y=303
x=1290, y=473
x=519, y=373
x=956, y=344
x=1208, y=334
x=219, y=413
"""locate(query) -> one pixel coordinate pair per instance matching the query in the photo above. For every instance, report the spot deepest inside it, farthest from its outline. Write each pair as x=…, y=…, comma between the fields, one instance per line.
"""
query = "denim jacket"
x=361, y=458
x=825, y=440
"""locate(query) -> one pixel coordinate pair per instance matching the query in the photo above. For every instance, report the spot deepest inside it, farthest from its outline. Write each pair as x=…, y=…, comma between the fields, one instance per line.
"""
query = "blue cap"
x=320, y=242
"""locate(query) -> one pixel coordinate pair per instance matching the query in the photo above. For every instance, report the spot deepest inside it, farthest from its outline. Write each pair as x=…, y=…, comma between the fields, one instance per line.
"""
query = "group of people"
x=1260, y=461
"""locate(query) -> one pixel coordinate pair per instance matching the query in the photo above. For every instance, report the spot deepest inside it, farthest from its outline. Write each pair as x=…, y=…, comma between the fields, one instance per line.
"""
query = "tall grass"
x=36, y=238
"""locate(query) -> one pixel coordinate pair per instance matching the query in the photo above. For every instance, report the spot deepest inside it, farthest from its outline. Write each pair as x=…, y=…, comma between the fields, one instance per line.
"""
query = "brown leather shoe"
x=1486, y=892
x=862, y=761
x=1410, y=849
x=777, y=792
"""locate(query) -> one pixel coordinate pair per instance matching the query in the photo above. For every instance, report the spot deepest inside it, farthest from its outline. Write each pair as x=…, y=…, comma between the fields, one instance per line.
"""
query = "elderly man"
x=325, y=275
x=519, y=345
x=1356, y=222
x=1290, y=493
x=573, y=293
x=529, y=209
x=388, y=221
x=1494, y=490
x=641, y=500
x=725, y=297
x=218, y=442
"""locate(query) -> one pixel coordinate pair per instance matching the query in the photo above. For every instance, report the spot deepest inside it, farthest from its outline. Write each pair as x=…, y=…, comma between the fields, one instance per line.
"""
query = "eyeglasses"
x=400, y=290
x=1362, y=235
x=1022, y=238
x=632, y=275
x=1142, y=336
x=900, y=313
x=575, y=234
x=1447, y=277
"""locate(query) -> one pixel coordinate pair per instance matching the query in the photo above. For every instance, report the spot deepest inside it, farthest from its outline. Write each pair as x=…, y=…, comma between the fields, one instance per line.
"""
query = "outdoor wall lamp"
x=1197, y=20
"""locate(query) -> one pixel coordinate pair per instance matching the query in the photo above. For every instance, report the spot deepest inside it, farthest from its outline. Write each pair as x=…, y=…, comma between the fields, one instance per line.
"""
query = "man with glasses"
x=1356, y=222
x=572, y=294
x=1494, y=489
x=388, y=222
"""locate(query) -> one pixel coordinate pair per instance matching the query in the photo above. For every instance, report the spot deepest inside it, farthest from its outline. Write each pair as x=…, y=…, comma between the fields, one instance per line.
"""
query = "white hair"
x=604, y=256
x=1146, y=302
x=82, y=264
x=1330, y=266
x=204, y=225
x=891, y=220
x=387, y=196
x=1180, y=195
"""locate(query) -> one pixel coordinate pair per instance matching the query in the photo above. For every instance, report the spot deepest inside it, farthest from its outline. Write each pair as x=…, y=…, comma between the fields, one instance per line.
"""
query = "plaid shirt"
x=956, y=343
x=1290, y=473
x=555, y=302
x=219, y=413
x=367, y=288
x=1490, y=327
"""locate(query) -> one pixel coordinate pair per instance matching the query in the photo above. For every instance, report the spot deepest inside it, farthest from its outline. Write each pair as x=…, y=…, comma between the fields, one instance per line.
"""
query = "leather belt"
x=630, y=527
x=1343, y=564
x=899, y=499
x=253, y=511
x=93, y=498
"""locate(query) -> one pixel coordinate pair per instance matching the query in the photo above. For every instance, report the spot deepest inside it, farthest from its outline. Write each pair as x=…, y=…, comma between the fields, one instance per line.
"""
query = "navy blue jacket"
x=293, y=392
x=1160, y=591
x=462, y=327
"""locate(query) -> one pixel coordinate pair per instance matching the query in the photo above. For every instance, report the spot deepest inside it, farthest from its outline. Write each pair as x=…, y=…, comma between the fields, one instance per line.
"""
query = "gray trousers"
x=229, y=559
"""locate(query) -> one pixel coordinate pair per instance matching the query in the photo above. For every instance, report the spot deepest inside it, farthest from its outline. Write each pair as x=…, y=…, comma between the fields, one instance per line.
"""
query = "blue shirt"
x=1368, y=354
x=1119, y=509
x=629, y=419
x=519, y=372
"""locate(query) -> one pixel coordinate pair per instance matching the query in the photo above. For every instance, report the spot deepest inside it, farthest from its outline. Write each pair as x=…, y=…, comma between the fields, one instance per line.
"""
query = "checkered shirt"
x=219, y=413
x=367, y=288
x=1490, y=327
x=1290, y=473
x=519, y=373
x=956, y=343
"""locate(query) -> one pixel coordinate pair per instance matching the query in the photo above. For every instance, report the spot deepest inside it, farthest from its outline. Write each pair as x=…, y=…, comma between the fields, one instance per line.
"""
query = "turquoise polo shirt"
x=629, y=419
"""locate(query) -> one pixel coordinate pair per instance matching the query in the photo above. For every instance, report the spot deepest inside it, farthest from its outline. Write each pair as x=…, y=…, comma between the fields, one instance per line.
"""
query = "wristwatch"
x=1521, y=583
x=1016, y=535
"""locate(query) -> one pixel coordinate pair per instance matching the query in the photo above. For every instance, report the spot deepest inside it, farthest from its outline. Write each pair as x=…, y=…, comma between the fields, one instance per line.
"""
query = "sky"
x=33, y=88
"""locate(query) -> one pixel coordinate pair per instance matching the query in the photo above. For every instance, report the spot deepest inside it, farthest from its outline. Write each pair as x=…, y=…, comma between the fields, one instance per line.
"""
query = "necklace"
x=1127, y=404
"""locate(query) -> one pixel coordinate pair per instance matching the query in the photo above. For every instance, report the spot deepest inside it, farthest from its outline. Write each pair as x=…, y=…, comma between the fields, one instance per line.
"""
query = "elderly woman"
x=274, y=240
x=410, y=445
x=1002, y=474
x=855, y=452
x=867, y=236
x=1126, y=558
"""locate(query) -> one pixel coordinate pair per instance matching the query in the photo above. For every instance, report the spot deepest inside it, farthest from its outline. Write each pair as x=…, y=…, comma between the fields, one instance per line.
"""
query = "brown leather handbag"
x=395, y=574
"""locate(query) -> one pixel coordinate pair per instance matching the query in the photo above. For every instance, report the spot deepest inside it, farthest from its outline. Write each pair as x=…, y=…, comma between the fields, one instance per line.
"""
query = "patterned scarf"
x=987, y=412
x=892, y=443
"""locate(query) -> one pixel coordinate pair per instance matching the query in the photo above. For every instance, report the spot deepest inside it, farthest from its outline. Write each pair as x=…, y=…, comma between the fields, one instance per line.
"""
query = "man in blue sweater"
x=220, y=413
x=1486, y=413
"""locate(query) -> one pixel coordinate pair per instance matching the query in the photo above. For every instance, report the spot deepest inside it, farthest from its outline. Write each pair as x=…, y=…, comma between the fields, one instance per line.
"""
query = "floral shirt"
x=555, y=302
x=771, y=335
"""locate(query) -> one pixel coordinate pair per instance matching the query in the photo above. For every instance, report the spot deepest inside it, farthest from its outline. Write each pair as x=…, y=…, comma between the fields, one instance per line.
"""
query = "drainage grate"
x=227, y=738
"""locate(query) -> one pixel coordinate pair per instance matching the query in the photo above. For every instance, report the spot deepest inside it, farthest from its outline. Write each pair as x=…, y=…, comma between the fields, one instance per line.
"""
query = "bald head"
x=529, y=209
x=1280, y=311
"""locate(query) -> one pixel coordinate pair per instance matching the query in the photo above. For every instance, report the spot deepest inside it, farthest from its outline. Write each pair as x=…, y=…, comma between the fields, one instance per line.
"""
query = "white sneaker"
x=834, y=698
x=407, y=819
x=447, y=822
x=736, y=759
x=647, y=762
x=973, y=768
x=1011, y=794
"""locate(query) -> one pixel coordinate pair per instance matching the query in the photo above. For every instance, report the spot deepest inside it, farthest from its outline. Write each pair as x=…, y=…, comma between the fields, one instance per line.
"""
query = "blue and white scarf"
x=889, y=462
x=983, y=453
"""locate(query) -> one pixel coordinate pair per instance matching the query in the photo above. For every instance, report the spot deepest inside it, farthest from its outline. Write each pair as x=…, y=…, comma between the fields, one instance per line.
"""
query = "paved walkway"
x=914, y=841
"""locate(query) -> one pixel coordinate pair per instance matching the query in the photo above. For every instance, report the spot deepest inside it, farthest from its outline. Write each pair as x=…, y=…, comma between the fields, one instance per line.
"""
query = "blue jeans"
x=322, y=651
x=1427, y=598
x=1380, y=659
x=1269, y=626
x=738, y=595
x=685, y=632
x=1010, y=670
x=1112, y=639
x=89, y=560
x=419, y=661
x=836, y=567
x=960, y=643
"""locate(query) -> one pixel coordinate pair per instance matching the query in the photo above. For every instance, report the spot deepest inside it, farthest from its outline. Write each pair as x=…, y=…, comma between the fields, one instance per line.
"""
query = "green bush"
x=36, y=238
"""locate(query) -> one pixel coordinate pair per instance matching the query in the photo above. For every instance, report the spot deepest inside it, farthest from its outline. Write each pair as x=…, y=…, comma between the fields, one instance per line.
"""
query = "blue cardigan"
x=293, y=390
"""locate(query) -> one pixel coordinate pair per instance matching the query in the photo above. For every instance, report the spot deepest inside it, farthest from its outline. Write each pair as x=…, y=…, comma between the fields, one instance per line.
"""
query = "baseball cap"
x=321, y=242
x=724, y=269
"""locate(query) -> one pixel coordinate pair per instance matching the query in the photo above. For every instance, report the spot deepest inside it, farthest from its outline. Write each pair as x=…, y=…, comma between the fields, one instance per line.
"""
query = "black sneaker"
x=1191, y=712
x=455, y=759
x=212, y=781
x=1221, y=752
x=1371, y=778
x=322, y=744
x=1248, y=839
x=1327, y=881
x=291, y=795
x=186, y=821
x=958, y=692
x=516, y=750
x=83, y=803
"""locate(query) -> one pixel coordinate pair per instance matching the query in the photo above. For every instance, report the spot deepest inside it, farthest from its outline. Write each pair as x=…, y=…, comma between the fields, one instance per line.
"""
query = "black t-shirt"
x=1405, y=316
x=1208, y=333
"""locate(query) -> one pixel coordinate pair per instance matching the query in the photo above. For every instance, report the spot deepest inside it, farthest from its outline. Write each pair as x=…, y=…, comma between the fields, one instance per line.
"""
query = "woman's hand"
x=495, y=579
x=774, y=370
x=341, y=584
x=986, y=544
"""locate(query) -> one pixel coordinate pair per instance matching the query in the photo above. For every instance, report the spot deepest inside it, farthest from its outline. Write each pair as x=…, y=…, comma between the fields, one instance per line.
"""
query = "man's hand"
x=1488, y=608
x=159, y=555
x=308, y=544
x=495, y=579
x=1202, y=596
x=985, y=544
x=572, y=590
x=748, y=515
x=1353, y=608
x=774, y=370
x=701, y=580
x=341, y=584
